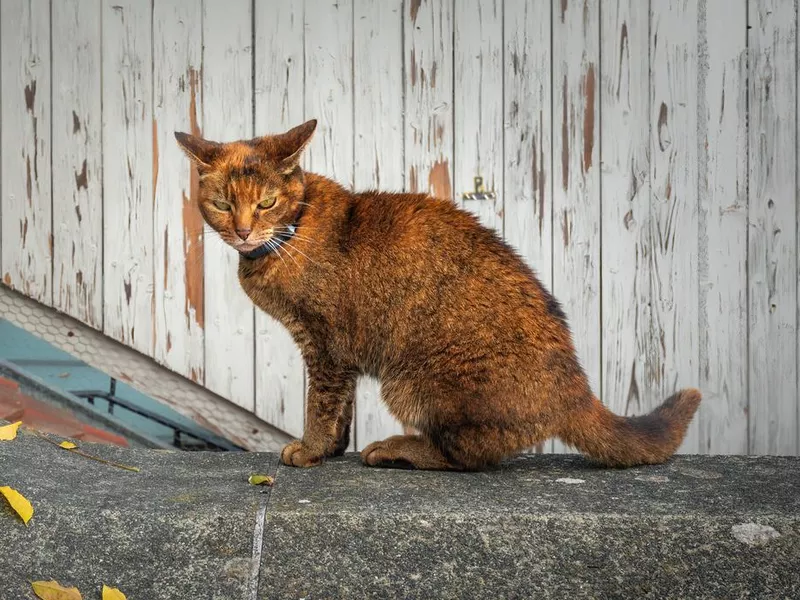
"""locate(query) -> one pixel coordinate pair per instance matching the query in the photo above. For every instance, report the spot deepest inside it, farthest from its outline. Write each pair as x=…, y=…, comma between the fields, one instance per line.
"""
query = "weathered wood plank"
x=128, y=174
x=576, y=186
x=379, y=138
x=673, y=355
x=772, y=251
x=478, y=105
x=329, y=65
x=625, y=180
x=428, y=27
x=227, y=115
x=26, y=206
x=178, y=225
x=280, y=385
x=722, y=168
x=77, y=162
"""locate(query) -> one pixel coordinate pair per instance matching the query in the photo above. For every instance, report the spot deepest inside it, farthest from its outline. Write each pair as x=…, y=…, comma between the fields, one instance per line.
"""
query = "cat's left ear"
x=293, y=143
x=201, y=152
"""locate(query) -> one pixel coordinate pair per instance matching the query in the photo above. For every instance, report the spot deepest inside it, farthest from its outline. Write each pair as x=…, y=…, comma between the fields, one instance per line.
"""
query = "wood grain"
x=673, y=351
x=478, y=105
x=25, y=205
x=127, y=130
x=178, y=225
x=279, y=71
x=722, y=251
x=77, y=162
x=428, y=30
x=772, y=217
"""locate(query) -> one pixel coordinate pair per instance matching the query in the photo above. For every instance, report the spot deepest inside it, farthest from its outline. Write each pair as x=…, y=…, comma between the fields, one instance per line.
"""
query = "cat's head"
x=250, y=190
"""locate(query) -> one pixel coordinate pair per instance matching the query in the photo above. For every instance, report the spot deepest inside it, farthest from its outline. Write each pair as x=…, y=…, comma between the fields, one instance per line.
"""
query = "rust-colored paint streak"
x=439, y=135
x=193, y=375
x=413, y=181
x=76, y=122
x=7, y=279
x=668, y=190
x=23, y=230
x=78, y=277
x=439, y=180
x=127, y=286
x=30, y=95
x=155, y=159
x=433, y=75
x=662, y=122
x=566, y=228
x=193, y=224
x=169, y=342
x=628, y=219
x=588, y=118
x=415, y=4
x=413, y=68
x=564, y=138
x=82, y=178
x=563, y=10
x=78, y=212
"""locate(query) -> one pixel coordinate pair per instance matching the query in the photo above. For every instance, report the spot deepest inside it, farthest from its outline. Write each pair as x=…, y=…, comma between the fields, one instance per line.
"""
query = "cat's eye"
x=267, y=203
x=220, y=205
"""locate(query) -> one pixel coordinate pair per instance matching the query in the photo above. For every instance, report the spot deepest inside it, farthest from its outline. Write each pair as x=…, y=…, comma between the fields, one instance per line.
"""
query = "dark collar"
x=272, y=245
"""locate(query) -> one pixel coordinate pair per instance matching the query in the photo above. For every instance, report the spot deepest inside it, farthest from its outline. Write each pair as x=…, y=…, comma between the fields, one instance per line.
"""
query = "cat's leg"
x=329, y=410
x=406, y=451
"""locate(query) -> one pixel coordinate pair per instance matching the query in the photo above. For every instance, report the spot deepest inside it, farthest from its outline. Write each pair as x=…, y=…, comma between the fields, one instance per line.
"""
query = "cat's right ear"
x=200, y=151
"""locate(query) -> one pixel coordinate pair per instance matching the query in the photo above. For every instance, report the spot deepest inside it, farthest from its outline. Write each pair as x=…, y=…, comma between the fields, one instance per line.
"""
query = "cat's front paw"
x=297, y=454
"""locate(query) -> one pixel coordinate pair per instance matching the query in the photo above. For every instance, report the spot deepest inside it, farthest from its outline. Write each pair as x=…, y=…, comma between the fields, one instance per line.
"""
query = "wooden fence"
x=644, y=155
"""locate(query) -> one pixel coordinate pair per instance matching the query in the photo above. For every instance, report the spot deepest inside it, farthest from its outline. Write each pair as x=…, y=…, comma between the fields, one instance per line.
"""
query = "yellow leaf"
x=9, y=432
x=52, y=590
x=18, y=502
x=260, y=480
x=67, y=445
x=110, y=593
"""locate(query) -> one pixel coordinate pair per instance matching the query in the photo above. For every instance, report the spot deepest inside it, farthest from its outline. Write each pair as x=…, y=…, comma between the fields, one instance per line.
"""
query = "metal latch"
x=480, y=192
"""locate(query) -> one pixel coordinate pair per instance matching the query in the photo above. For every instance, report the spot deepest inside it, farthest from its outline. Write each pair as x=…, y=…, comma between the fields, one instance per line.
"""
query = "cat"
x=473, y=353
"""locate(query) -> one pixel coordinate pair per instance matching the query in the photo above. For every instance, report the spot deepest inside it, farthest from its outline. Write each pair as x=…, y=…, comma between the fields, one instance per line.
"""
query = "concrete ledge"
x=190, y=526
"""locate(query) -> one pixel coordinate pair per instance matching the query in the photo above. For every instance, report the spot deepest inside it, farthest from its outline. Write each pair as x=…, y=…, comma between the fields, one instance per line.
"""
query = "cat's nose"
x=243, y=233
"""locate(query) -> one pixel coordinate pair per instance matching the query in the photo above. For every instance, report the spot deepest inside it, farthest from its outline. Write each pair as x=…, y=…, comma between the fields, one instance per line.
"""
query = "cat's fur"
x=472, y=351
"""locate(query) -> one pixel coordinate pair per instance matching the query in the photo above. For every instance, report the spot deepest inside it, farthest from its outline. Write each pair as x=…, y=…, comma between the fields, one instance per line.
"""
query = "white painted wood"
x=77, y=162
x=673, y=355
x=25, y=169
x=478, y=105
x=428, y=31
x=279, y=69
x=528, y=167
x=127, y=132
x=329, y=87
x=227, y=115
x=722, y=257
x=772, y=252
x=625, y=181
x=576, y=185
x=379, y=138
x=329, y=99
x=177, y=223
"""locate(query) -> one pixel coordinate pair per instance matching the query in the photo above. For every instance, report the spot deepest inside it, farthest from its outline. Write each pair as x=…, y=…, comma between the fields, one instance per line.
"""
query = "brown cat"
x=472, y=351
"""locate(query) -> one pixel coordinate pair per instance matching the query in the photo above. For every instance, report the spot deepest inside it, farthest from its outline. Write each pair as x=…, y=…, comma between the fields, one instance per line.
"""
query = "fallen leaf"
x=260, y=480
x=89, y=456
x=52, y=590
x=67, y=445
x=18, y=502
x=9, y=432
x=110, y=593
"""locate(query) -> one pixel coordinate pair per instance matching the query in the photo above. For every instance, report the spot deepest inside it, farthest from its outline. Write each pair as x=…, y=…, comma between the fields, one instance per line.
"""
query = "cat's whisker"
x=289, y=254
x=288, y=245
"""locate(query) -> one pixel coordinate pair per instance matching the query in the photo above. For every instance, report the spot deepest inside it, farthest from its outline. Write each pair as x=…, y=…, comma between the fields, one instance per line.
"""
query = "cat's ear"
x=200, y=151
x=293, y=143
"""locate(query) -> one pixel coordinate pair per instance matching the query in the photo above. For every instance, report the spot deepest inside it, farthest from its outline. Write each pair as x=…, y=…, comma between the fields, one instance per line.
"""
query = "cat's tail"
x=618, y=441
